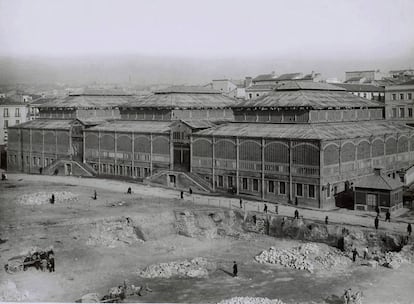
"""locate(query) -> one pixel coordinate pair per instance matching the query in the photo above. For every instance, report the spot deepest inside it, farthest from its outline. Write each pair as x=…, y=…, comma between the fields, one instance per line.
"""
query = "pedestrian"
x=265, y=208
x=326, y=220
x=283, y=222
x=409, y=229
x=51, y=261
x=347, y=296
x=235, y=270
x=43, y=264
x=376, y=222
x=129, y=191
x=182, y=194
x=277, y=209
x=354, y=254
x=40, y=170
x=52, y=199
x=377, y=210
x=241, y=204
x=190, y=191
x=366, y=253
x=296, y=214
x=95, y=195
x=388, y=216
x=254, y=219
x=3, y=176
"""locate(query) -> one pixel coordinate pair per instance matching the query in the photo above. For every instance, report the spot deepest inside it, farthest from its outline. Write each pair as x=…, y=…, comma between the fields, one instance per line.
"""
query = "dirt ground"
x=83, y=267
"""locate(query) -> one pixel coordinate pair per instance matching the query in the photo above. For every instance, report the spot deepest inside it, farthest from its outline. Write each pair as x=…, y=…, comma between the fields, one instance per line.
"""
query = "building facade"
x=303, y=143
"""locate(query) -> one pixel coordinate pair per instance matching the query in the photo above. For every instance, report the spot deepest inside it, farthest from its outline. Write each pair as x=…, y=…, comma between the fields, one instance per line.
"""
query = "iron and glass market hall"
x=304, y=143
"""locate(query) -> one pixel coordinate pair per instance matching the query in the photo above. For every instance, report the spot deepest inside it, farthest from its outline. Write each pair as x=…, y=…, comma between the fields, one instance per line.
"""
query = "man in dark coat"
x=376, y=222
x=354, y=254
x=265, y=208
x=409, y=229
x=388, y=216
x=235, y=269
x=296, y=214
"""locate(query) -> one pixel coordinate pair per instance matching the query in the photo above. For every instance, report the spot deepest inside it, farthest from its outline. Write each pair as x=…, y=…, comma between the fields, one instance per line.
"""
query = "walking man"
x=377, y=210
x=409, y=229
x=326, y=220
x=95, y=195
x=52, y=200
x=296, y=214
x=354, y=255
x=388, y=216
x=277, y=209
x=235, y=269
x=129, y=191
x=265, y=208
x=182, y=194
x=376, y=222
x=241, y=204
x=365, y=253
x=190, y=191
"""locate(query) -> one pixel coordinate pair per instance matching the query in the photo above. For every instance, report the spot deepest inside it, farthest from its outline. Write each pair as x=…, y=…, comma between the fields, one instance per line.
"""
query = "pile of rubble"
x=392, y=260
x=40, y=198
x=195, y=268
x=310, y=256
x=251, y=300
x=10, y=293
x=113, y=233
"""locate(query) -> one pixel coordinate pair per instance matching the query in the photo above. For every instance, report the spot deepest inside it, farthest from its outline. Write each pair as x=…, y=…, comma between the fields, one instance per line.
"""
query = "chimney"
x=248, y=82
x=378, y=171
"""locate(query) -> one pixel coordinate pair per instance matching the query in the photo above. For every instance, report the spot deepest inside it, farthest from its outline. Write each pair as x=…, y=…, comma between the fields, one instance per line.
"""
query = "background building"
x=399, y=101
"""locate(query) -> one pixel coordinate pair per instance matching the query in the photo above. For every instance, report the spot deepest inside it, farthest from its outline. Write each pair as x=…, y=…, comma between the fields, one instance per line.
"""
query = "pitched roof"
x=289, y=76
x=46, y=124
x=188, y=89
x=356, y=87
x=100, y=92
x=310, y=95
x=307, y=85
x=410, y=82
x=375, y=181
x=321, y=131
x=261, y=87
x=182, y=101
x=265, y=77
x=138, y=126
x=10, y=102
x=88, y=101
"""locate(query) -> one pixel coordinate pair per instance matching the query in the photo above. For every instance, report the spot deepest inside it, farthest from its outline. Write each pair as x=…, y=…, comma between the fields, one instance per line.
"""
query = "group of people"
x=41, y=260
x=388, y=219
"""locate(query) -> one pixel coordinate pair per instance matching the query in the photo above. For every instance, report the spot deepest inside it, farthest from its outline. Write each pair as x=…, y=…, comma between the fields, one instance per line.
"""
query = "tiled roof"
x=410, y=82
x=306, y=85
x=265, y=77
x=11, y=102
x=356, y=87
x=182, y=101
x=126, y=126
x=289, y=76
x=325, y=131
x=188, y=89
x=46, y=124
x=375, y=181
x=309, y=98
x=261, y=87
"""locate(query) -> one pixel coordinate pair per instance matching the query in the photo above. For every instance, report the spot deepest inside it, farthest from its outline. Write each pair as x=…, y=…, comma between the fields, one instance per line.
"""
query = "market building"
x=303, y=143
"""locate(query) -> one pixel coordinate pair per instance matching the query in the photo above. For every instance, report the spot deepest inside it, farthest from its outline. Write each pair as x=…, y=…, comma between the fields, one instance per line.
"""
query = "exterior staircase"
x=179, y=180
x=69, y=167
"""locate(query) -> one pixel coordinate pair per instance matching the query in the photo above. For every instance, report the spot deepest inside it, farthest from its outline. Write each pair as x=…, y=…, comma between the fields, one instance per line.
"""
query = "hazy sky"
x=314, y=28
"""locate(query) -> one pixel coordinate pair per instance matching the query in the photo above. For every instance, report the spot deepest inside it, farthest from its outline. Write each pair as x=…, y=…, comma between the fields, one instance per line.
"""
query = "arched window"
x=276, y=153
x=202, y=148
x=250, y=151
x=391, y=146
x=348, y=152
x=377, y=148
x=363, y=150
x=331, y=155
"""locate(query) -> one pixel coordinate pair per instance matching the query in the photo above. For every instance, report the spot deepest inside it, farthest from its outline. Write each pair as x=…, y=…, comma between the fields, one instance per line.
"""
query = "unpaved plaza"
x=100, y=243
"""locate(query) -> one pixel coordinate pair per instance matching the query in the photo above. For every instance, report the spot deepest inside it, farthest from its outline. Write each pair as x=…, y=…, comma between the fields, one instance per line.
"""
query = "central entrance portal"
x=181, y=157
